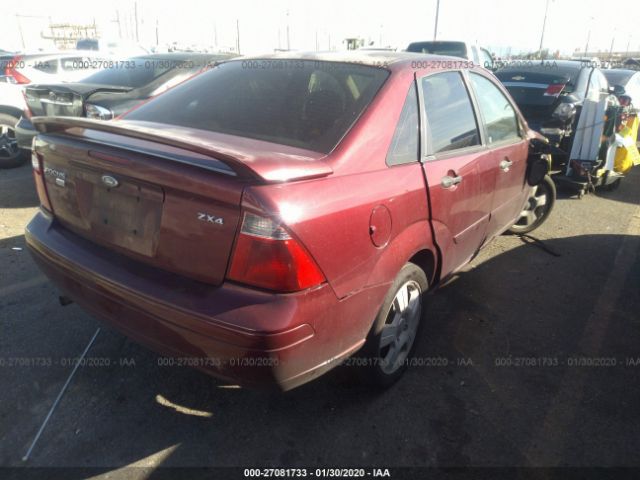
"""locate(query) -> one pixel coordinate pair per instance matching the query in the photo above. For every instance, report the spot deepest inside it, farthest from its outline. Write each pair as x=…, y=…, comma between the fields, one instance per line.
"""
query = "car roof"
x=373, y=58
x=183, y=56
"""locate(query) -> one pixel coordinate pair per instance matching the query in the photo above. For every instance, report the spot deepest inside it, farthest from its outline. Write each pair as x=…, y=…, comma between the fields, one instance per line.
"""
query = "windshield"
x=301, y=103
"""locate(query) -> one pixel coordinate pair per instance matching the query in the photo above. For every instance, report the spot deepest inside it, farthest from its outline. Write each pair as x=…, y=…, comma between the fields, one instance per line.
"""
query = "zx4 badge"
x=205, y=217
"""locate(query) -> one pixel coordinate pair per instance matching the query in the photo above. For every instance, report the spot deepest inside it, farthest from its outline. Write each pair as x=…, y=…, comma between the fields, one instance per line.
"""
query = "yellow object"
x=627, y=154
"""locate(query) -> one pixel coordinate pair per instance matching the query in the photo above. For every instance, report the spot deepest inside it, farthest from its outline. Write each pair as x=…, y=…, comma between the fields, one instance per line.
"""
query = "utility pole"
x=157, y=34
x=317, y=46
x=626, y=52
x=119, y=24
x=135, y=13
x=20, y=30
x=238, y=36
x=215, y=34
x=435, y=28
x=544, y=24
x=586, y=47
x=288, y=39
x=612, y=40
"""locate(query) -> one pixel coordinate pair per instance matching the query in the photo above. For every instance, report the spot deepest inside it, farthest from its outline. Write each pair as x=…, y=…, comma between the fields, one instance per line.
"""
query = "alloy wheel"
x=401, y=326
x=536, y=207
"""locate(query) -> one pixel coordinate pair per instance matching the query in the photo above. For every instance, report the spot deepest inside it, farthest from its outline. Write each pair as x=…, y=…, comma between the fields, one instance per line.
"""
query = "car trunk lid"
x=63, y=100
x=536, y=93
x=173, y=204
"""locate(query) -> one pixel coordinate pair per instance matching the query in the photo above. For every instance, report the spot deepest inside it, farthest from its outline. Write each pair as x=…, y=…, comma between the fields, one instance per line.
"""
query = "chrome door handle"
x=506, y=164
x=448, y=182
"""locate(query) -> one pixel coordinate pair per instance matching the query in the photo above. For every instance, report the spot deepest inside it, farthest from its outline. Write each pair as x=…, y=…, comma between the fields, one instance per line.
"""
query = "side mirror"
x=537, y=167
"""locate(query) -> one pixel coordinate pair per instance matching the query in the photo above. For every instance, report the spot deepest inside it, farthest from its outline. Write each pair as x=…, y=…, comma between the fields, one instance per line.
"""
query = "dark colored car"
x=111, y=91
x=550, y=95
x=271, y=217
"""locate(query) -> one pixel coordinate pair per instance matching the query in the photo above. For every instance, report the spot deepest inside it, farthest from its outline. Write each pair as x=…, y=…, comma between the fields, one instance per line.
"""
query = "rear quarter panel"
x=332, y=215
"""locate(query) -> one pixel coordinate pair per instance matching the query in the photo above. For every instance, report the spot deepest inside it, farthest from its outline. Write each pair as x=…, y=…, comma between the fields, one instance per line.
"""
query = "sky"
x=263, y=25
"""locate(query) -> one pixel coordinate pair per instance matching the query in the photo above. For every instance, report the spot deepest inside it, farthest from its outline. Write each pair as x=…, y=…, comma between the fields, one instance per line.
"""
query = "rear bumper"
x=232, y=332
x=25, y=132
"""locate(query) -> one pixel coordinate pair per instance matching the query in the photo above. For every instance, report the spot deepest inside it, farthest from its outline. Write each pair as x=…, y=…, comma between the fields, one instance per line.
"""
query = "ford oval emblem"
x=109, y=181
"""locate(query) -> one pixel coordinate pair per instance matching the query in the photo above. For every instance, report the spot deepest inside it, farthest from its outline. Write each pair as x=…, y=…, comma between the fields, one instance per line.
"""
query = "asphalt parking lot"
x=530, y=357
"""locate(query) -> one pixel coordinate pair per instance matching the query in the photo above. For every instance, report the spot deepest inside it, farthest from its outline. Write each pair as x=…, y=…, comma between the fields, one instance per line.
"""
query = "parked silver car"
x=18, y=70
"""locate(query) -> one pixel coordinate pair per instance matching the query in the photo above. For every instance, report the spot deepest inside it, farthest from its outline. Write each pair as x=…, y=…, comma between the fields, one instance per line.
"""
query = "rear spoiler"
x=261, y=169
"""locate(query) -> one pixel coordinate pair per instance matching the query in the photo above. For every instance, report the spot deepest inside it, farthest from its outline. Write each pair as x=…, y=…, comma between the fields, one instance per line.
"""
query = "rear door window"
x=497, y=112
x=451, y=122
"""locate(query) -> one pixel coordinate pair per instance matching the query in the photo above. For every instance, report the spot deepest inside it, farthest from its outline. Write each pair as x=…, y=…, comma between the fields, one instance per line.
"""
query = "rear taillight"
x=267, y=256
x=10, y=70
x=38, y=176
x=554, y=90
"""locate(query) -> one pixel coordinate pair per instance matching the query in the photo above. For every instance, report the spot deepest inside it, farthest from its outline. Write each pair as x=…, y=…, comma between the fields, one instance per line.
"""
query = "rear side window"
x=450, y=119
x=499, y=116
x=405, y=143
x=301, y=103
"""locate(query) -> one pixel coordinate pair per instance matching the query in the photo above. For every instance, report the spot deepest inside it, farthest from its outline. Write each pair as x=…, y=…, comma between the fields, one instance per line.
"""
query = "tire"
x=538, y=207
x=392, y=339
x=10, y=155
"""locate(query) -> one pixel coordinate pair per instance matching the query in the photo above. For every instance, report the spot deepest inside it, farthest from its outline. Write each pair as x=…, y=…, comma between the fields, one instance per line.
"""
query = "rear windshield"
x=301, y=103
x=453, y=49
x=134, y=72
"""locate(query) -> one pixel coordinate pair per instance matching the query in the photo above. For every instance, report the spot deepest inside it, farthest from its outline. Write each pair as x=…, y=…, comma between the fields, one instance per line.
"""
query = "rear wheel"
x=392, y=338
x=10, y=154
x=538, y=207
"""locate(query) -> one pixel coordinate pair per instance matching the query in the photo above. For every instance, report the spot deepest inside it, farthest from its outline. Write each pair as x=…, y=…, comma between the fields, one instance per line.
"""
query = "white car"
x=17, y=70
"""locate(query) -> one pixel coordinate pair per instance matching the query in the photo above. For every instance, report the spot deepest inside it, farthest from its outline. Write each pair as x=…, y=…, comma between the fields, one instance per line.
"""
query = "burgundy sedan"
x=271, y=217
